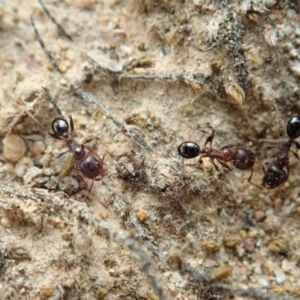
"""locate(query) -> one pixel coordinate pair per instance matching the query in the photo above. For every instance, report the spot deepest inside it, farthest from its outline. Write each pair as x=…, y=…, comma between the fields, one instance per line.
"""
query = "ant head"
x=60, y=127
x=188, y=150
x=293, y=127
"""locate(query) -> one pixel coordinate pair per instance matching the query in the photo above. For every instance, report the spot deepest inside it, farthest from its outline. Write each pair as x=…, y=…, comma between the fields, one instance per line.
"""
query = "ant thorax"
x=78, y=152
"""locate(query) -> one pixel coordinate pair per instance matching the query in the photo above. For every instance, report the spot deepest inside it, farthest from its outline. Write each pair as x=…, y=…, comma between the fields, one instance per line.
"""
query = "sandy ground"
x=161, y=71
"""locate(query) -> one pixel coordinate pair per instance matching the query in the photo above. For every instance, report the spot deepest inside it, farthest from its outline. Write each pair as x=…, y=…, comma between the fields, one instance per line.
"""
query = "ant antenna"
x=34, y=118
x=60, y=28
x=42, y=44
x=53, y=102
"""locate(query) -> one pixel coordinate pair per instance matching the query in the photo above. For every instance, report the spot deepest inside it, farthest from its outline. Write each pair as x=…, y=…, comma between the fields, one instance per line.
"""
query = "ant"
x=278, y=172
x=242, y=158
x=88, y=163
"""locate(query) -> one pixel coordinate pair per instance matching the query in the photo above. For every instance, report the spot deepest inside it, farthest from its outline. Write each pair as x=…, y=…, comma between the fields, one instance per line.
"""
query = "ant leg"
x=61, y=154
x=295, y=154
x=88, y=140
x=43, y=128
x=270, y=141
x=209, y=139
x=95, y=179
x=54, y=136
x=249, y=180
x=230, y=146
x=95, y=154
x=71, y=124
x=91, y=185
x=270, y=147
x=297, y=144
x=216, y=167
x=225, y=165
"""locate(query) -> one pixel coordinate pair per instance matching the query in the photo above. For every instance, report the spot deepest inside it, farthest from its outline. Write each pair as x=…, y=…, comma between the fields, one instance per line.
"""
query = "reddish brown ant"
x=278, y=172
x=87, y=163
x=241, y=158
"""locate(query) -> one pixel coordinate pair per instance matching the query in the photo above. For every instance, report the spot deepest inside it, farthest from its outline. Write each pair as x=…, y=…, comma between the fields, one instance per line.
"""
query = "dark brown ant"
x=241, y=158
x=88, y=163
x=278, y=172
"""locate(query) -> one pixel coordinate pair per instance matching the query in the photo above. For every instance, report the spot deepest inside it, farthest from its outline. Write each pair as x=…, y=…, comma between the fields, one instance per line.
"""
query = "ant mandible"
x=242, y=158
x=278, y=172
x=87, y=163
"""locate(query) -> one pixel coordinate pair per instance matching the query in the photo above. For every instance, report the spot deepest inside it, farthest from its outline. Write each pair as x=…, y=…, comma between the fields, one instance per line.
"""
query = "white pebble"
x=263, y=282
x=14, y=147
x=5, y=222
x=7, y=168
x=32, y=173
x=19, y=169
x=288, y=265
x=280, y=276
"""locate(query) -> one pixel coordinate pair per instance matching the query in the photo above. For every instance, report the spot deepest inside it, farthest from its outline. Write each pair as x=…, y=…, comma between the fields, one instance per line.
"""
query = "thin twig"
x=187, y=76
x=166, y=76
x=103, y=69
x=61, y=29
x=51, y=99
x=117, y=122
x=42, y=44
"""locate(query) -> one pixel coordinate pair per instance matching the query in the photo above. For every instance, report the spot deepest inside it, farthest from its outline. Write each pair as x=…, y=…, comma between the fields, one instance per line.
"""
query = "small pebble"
x=117, y=37
x=20, y=169
x=81, y=241
x=32, y=173
x=45, y=160
x=249, y=245
x=253, y=233
x=7, y=168
x=69, y=283
x=69, y=185
x=14, y=147
x=37, y=148
x=85, y=4
x=62, y=67
x=47, y=289
x=259, y=215
x=142, y=215
x=263, y=282
x=272, y=224
x=280, y=276
x=5, y=222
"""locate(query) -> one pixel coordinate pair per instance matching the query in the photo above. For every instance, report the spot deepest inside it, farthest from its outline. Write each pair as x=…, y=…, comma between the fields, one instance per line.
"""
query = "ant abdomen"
x=91, y=167
x=188, y=150
x=274, y=177
x=245, y=159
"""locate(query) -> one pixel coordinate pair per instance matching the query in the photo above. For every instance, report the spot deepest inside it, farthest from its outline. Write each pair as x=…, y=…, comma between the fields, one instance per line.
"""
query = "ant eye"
x=60, y=126
x=293, y=127
x=188, y=150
